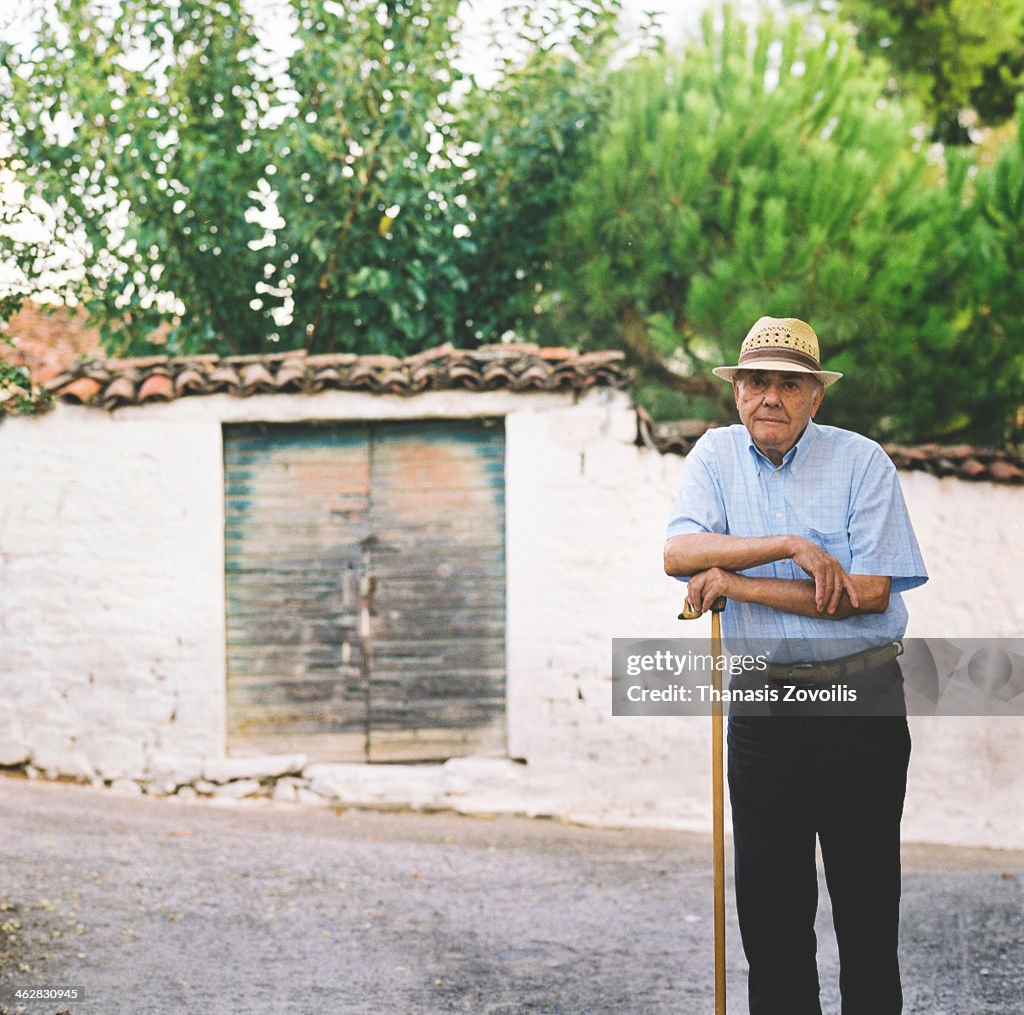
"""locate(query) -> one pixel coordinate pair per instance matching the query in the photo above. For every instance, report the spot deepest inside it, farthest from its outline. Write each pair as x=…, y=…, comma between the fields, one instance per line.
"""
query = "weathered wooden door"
x=365, y=589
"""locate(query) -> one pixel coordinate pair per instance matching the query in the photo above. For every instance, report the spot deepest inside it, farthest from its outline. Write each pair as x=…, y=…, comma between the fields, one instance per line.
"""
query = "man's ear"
x=819, y=397
x=736, y=392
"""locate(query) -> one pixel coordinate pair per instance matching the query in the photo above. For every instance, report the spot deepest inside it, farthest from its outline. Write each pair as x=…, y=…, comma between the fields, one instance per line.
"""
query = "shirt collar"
x=798, y=451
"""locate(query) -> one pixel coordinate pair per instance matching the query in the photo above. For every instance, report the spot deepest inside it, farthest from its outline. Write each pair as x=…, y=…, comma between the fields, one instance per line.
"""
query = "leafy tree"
x=530, y=126
x=137, y=136
x=763, y=173
x=365, y=182
x=991, y=312
x=216, y=204
x=949, y=54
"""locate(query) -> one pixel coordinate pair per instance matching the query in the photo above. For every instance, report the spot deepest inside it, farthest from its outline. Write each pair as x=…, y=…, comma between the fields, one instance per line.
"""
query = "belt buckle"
x=798, y=666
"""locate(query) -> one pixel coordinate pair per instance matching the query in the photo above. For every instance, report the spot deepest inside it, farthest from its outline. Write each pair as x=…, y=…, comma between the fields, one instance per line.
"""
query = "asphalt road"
x=190, y=908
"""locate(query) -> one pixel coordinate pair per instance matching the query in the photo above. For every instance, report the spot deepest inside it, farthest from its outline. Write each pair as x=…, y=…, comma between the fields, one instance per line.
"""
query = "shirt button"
x=778, y=514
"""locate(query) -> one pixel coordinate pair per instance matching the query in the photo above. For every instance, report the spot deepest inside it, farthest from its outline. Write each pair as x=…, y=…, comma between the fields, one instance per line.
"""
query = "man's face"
x=775, y=407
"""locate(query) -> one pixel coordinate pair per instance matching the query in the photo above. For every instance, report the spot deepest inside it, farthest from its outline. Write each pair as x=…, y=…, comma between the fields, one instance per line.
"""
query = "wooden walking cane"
x=717, y=795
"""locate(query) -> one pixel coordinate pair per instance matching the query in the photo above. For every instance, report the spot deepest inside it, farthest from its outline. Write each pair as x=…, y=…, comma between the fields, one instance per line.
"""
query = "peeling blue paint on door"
x=366, y=589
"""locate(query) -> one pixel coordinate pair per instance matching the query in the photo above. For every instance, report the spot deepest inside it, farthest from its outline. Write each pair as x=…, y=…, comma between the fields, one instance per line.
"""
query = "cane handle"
x=689, y=613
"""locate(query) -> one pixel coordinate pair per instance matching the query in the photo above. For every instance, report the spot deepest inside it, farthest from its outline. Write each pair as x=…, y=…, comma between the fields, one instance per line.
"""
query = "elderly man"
x=804, y=530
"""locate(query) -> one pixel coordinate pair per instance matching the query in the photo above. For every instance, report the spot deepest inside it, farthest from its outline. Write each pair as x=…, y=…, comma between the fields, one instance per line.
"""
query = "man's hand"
x=830, y=580
x=706, y=586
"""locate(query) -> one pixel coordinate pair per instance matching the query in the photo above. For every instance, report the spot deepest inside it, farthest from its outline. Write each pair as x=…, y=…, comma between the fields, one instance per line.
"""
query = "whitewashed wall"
x=112, y=617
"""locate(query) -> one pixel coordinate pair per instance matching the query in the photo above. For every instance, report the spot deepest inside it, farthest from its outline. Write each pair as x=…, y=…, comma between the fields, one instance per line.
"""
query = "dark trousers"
x=843, y=779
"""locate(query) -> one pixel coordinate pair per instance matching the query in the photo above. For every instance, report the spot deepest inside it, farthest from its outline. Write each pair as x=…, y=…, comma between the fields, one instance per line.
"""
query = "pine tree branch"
x=636, y=339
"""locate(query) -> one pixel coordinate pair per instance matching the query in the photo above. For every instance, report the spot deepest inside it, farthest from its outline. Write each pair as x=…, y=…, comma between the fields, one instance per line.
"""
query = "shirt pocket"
x=835, y=543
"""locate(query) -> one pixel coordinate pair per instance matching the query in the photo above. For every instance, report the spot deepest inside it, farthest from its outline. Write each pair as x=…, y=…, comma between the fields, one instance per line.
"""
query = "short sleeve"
x=699, y=504
x=882, y=540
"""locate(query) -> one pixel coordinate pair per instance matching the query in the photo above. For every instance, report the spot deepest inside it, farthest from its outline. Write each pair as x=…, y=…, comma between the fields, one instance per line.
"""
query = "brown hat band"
x=793, y=356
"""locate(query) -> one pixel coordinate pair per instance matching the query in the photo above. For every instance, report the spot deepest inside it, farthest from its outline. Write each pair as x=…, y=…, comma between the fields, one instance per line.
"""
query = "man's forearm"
x=688, y=554
x=797, y=595
x=832, y=590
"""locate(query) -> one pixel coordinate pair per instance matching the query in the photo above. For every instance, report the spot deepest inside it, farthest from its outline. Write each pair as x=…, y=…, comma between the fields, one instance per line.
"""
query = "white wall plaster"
x=112, y=618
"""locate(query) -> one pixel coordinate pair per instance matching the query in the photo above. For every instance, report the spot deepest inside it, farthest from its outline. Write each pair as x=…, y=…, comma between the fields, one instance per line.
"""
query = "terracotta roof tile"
x=193, y=380
x=418, y=360
x=1006, y=471
x=419, y=376
x=291, y=375
x=327, y=359
x=962, y=460
x=515, y=367
x=497, y=374
x=359, y=376
x=156, y=388
x=120, y=391
x=256, y=378
x=324, y=377
x=971, y=468
x=223, y=377
x=137, y=363
x=509, y=350
x=81, y=389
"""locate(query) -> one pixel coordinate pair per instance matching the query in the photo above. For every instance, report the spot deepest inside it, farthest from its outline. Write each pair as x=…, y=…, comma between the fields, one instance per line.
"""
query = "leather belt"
x=836, y=669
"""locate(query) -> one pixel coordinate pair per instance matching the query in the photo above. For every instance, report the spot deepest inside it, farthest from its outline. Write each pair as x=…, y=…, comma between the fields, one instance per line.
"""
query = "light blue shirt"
x=835, y=488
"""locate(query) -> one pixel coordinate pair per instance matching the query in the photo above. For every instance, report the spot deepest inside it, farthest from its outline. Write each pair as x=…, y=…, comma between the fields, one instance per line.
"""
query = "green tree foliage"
x=949, y=54
x=138, y=132
x=763, y=173
x=972, y=381
x=343, y=202
x=529, y=127
x=991, y=314
x=365, y=182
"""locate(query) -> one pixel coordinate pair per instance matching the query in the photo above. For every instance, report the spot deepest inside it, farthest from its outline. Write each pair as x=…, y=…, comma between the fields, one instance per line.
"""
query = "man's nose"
x=772, y=395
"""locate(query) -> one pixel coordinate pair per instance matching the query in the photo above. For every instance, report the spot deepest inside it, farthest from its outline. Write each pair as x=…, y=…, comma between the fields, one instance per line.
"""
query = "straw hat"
x=780, y=343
